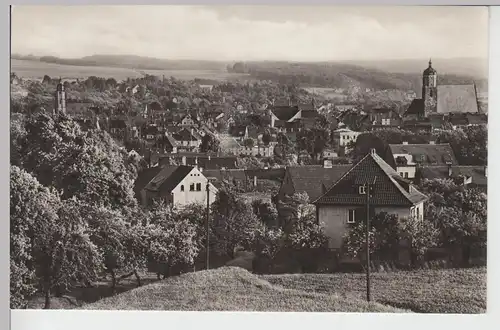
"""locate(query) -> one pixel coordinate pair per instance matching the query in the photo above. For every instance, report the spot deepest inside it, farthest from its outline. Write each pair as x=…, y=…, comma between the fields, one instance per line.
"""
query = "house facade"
x=344, y=203
x=407, y=158
x=176, y=185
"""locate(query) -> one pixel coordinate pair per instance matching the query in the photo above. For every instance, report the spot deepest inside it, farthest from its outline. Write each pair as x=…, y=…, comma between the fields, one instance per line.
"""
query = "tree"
x=266, y=212
x=235, y=224
x=249, y=143
x=87, y=165
x=209, y=143
x=266, y=138
x=173, y=237
x=386, y=231
x=50, y=244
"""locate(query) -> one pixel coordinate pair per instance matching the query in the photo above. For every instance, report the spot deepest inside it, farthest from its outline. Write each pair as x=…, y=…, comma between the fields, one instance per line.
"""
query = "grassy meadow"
x=235, y=289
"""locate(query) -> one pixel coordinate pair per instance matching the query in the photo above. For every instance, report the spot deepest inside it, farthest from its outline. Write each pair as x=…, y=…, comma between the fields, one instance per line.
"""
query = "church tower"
x=429, y=89
x=60, y=99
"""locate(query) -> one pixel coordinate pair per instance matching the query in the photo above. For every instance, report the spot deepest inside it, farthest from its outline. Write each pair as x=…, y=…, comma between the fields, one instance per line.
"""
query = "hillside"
x=230, y=289
x=346, y=76
x=379, y=75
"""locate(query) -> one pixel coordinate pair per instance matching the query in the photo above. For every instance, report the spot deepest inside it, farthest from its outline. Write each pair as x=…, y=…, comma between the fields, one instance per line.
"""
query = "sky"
x=292, y=33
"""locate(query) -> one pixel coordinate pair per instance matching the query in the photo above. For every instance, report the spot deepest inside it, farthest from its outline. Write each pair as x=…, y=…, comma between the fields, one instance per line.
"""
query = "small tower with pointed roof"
x=60, y=98
x=429, y=89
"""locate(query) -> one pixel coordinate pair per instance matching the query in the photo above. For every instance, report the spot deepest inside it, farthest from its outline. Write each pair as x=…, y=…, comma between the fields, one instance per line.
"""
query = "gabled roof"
x=285, y=113
x=309, y=106
x=168, y=178
x=416, y=107
x=390, y=188
x=477, y=173
x=185, y=135
x=309, y=179
x=426, y=154
x=309, y=114
x=144, y=177
x=456, y=98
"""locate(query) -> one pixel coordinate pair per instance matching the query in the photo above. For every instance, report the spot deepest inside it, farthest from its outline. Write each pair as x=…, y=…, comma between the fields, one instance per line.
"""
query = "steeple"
x=429, y=89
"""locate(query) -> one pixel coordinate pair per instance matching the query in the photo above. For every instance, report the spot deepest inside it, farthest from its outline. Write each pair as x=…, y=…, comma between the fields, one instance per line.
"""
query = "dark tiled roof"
x=151, y=130
x=285, y=112
x=309, y=114
x=426, y=154
x=117, y=123
x=144, y=177
x=155, y=106
x=441, y=172
x=230, y=174
x=306, y=107
x=390, y=188
x=184, y=135
x=477, y=118
x=416, y=107
x=310, y=179
x=456, y=98
x=168, y=178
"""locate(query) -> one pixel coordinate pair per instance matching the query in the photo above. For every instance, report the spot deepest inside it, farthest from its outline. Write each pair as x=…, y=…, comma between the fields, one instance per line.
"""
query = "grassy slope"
x=230, y=289
x=429, y=291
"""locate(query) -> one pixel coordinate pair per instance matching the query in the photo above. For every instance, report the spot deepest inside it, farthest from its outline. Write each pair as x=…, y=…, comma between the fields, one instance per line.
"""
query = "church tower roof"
x=430, y=70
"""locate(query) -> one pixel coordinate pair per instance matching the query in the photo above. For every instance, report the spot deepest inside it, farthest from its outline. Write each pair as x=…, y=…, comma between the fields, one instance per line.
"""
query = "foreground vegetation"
x=230, y=289
x=458, y=291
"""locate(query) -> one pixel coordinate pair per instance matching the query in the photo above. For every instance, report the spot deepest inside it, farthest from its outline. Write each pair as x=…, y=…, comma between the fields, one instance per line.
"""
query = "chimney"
x=450, y=171
x=405, y=142
x=327, y=163
x=184, y=160
x=255, y=181
x=373, y=151
x=209, y=157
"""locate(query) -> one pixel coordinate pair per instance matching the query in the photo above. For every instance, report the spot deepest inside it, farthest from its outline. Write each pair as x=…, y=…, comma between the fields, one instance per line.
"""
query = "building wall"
x=334, y=219
x=406, y=169
x=182, y=198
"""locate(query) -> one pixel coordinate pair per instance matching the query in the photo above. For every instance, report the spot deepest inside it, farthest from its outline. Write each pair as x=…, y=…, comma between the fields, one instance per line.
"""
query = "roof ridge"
x=343, y=176
x=377, y=160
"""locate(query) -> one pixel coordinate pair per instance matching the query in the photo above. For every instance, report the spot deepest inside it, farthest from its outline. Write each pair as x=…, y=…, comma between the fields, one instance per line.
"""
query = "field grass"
x=230, y=289
x=428, y=291
x=36, y=70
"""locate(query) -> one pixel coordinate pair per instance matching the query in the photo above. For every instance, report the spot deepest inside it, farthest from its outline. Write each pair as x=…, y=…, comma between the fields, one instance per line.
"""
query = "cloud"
x=221, y=33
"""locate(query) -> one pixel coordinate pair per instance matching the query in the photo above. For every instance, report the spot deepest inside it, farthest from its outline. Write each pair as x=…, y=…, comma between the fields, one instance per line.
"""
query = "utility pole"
x=369, y=194
x=208, y=224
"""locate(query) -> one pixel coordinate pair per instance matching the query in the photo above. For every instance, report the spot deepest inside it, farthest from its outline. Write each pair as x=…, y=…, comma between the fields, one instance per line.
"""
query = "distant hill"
x=348, y=75
x=379, y=75
x=474, y=67
x=129, y=62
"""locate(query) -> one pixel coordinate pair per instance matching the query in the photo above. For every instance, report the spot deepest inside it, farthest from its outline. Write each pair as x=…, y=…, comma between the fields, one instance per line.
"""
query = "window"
x=198, y=187
x=352, y=216
x=182, y=188
x=406, y=175
x=191, y=187
x=362, y=190
x=418, y=213
x=401, y=174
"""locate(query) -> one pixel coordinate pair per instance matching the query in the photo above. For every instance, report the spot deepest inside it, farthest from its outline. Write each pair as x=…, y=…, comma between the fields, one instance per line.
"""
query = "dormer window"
x=362, y=190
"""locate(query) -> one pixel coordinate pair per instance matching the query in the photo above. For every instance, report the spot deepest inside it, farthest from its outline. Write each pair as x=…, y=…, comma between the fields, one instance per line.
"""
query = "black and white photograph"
x=249, y=158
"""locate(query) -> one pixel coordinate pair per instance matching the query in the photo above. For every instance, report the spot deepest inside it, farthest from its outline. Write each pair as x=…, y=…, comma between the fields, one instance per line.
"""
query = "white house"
x=176, y=185
x=344, y=135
